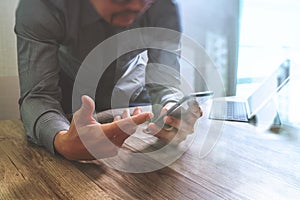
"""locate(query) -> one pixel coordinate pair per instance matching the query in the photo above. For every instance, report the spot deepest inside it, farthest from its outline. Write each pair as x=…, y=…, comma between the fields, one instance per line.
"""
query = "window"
x=270, y=34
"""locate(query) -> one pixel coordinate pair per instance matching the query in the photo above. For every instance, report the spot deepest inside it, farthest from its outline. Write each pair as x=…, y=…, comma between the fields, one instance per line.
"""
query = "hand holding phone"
x=200, y=97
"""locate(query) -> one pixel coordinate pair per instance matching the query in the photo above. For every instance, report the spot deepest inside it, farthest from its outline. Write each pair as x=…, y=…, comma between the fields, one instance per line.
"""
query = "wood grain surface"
x=245, y=163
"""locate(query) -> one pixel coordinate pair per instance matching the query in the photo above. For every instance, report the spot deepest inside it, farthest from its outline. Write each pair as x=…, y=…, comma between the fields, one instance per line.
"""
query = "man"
x=54, y=37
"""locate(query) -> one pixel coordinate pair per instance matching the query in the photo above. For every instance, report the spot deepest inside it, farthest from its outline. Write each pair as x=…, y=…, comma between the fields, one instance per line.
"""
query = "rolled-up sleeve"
x=37, y=44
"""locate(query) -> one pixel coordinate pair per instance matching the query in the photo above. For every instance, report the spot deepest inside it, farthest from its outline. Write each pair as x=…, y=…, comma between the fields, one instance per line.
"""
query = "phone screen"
x=174, y=111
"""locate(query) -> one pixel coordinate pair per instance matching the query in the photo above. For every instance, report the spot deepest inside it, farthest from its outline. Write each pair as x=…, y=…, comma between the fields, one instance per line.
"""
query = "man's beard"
x=125, y=12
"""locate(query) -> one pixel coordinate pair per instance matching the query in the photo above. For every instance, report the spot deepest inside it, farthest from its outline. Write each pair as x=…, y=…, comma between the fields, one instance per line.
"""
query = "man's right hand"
x=103, y=139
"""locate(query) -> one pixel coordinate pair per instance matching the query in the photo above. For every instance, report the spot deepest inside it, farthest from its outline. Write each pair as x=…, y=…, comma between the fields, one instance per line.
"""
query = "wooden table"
x=247, y=162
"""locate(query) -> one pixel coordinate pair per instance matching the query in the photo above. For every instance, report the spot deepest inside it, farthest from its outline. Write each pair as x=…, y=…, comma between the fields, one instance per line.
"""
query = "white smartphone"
x=200, y=97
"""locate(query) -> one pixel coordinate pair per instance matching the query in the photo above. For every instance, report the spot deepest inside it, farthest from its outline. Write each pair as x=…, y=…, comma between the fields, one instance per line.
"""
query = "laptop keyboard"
x=229, y=111
x=236, y=111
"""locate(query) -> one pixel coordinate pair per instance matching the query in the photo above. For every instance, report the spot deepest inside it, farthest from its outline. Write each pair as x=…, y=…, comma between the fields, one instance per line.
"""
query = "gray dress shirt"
x=53, y=39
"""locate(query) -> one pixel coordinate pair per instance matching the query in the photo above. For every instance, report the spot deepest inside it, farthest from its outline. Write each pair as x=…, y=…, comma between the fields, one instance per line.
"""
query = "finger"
x=88, y=106
x=117, y=118
x=172, y=121
x=126, y=127
x=193, y=113
x=84, y=115
x=194, y=109
x=185, y=125
x=192, y=116
x=167, y=107
x=126, y=113
x=141, y=118
x=168, y=127
x=152, y=129
x=137, y=111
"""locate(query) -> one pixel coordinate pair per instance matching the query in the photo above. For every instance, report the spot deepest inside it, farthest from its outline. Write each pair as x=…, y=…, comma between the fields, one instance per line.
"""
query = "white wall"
x=9, y=85
x=214, y=24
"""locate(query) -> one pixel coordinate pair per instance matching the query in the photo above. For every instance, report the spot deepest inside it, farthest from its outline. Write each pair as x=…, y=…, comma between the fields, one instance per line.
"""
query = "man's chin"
x=123, y=25
x=124, y=20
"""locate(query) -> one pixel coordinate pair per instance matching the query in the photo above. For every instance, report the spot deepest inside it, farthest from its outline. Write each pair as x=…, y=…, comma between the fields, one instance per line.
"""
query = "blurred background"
x=9, y=83
x=246, y=40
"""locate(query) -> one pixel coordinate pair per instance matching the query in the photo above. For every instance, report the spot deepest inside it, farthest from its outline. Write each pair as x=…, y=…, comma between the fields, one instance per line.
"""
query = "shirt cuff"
x=47, y=126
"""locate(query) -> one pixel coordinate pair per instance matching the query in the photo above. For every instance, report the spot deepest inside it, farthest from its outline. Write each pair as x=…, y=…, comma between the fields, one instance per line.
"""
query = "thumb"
x=88, y=106
x=84, y=115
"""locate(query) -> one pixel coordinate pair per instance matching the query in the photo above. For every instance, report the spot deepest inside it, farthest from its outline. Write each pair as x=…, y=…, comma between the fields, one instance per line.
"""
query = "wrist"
x=59, y=144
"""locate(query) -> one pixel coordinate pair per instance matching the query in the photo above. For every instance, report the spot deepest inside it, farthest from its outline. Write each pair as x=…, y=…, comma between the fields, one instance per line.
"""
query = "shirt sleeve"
x=163, y=70
x=37, y=44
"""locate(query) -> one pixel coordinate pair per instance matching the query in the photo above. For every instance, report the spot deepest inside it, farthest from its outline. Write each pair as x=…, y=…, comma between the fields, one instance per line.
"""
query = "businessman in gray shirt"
x=53, y=39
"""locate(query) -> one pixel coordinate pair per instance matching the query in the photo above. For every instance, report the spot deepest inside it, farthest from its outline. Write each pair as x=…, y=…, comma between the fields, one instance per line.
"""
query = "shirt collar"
x=88, y=13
